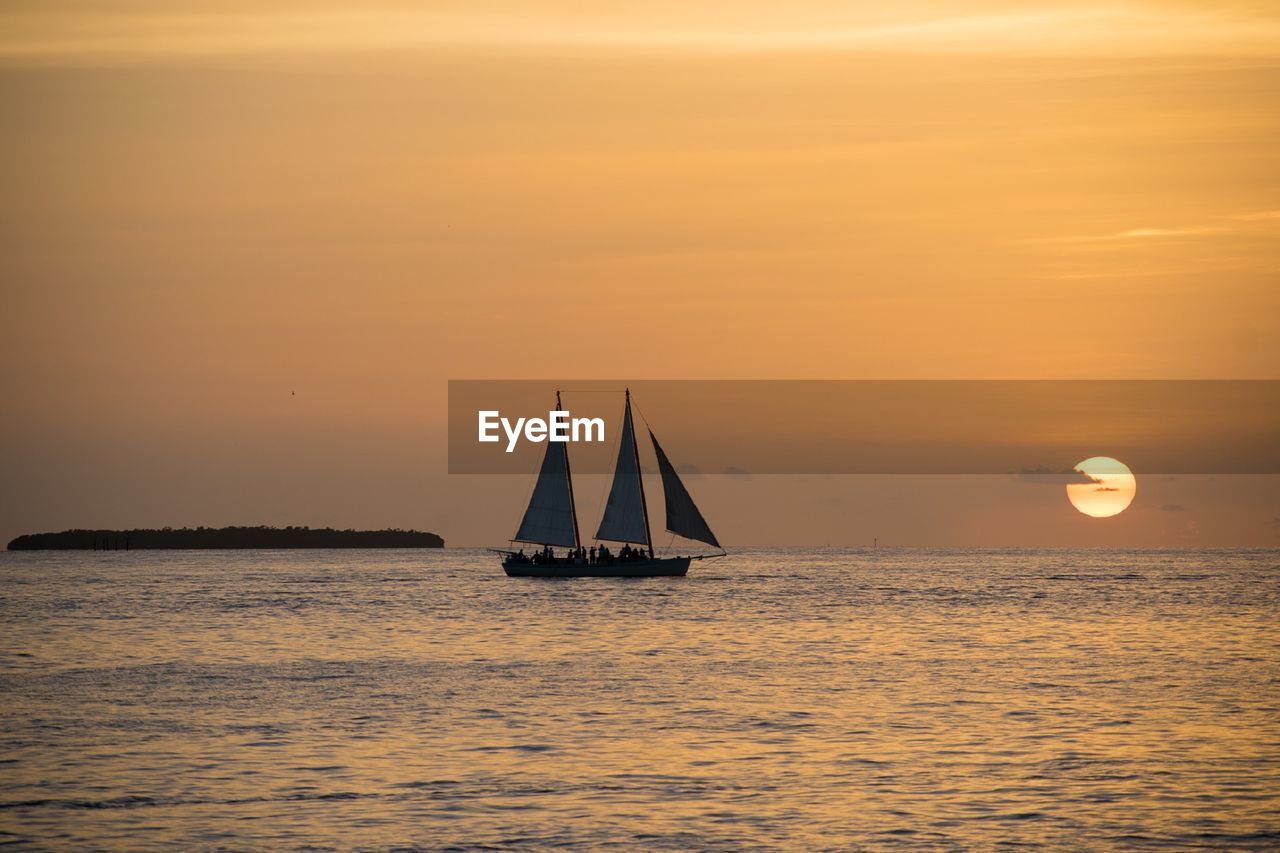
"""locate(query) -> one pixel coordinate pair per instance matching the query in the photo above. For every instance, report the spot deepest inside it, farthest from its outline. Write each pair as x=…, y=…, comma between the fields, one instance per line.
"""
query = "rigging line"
x=639, y=411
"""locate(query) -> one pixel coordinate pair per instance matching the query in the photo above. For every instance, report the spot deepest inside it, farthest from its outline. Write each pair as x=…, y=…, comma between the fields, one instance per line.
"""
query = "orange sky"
x=212, y=206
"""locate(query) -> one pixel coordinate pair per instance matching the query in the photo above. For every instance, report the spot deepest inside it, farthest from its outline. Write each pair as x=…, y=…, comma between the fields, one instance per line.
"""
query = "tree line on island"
x=223, y=537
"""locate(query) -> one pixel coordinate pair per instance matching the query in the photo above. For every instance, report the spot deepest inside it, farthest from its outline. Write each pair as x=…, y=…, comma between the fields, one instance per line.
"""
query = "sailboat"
x=551, y=519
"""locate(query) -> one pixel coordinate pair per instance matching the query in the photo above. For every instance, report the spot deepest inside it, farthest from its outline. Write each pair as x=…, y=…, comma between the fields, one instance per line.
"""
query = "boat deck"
x=665, y=568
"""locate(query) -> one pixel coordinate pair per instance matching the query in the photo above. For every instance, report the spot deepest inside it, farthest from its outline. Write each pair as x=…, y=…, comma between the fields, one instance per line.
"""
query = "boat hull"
x=673, y=567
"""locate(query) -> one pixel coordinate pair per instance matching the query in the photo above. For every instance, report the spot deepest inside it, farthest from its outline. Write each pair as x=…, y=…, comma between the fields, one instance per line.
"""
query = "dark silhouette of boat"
x=551, y=519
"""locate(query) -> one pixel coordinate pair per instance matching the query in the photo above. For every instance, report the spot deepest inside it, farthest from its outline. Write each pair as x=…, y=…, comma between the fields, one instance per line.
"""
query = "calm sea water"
x=795, y=699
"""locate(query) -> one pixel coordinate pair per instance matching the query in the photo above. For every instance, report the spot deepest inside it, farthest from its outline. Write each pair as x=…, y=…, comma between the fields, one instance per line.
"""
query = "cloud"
x=1259, y=216
x=1048, y=476
x=161, y=30
x=1171, y=508
x=1235, y=223
x=1142, y=233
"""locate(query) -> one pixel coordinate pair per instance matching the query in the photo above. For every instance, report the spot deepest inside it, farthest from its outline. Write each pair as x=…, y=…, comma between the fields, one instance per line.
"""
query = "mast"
x=644, y=506
x=568, y=475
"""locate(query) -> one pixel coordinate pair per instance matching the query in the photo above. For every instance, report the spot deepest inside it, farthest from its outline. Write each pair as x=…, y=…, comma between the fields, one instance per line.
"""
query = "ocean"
x=791, y=699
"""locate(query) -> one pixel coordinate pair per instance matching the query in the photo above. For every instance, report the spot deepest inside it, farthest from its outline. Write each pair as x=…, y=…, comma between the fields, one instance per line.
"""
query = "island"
x=205, y=538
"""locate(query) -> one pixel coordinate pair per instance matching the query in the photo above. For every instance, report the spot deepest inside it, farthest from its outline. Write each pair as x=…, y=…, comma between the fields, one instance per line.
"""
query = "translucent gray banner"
x=1026, y=428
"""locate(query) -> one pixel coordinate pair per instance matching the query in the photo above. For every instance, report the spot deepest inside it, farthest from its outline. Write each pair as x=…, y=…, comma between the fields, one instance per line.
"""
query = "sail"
x=624, y=513
x=683, y=517
x=550, y=520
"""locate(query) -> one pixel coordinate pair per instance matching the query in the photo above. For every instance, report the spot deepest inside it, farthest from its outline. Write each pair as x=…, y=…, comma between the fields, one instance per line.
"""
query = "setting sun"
x=1111, y=491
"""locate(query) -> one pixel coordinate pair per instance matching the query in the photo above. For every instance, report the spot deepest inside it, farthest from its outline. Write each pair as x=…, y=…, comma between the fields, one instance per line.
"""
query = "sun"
x=1111, y=491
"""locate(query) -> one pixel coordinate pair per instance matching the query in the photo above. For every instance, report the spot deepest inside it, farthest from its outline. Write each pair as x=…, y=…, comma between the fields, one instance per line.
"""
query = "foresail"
x=683, y=517
x=624, y=519
x=549, y=518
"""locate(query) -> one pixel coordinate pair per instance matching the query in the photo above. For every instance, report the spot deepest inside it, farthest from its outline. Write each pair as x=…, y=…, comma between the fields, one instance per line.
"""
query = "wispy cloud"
x=1145, y=233
x=1049, y=477
x=1230, y=224
x=1260, y=216
x=52, y=30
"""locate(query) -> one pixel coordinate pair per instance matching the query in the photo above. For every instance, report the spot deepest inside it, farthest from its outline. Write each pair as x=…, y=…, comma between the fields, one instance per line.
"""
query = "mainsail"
x=551, y=518
x=625, y=518
x=683, y=517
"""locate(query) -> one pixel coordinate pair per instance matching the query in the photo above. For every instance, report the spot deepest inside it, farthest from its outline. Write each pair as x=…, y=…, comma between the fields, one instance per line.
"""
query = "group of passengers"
x=593, y=556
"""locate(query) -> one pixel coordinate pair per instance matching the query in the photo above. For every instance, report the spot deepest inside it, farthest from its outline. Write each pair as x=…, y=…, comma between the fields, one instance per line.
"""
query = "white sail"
x=550, y=520
x=624, y=513
x=683, y=517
